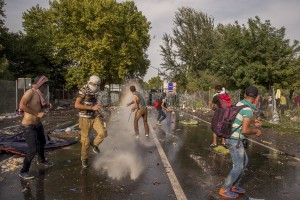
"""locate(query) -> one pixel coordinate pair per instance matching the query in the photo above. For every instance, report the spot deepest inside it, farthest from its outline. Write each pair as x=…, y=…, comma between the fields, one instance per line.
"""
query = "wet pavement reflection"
x=128, y=168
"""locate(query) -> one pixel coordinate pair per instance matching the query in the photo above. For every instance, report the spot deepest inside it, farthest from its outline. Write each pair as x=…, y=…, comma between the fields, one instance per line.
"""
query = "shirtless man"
x=139, y=105
x=32, y=103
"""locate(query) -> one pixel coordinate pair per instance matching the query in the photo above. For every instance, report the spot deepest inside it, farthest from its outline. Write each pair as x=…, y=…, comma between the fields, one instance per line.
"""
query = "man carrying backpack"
x=241, y=129
x=216, y=103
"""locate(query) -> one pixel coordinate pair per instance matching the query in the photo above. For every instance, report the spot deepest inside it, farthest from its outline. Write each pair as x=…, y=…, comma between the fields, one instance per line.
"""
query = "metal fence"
x=8, y=96
x=11, y=96
x=268, y=104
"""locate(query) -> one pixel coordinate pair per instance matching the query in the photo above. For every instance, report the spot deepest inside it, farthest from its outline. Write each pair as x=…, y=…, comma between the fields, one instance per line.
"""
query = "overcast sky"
x=161, y=14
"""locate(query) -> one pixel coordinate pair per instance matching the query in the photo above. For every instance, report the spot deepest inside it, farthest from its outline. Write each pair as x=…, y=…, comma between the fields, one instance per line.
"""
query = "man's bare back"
x=31, y=105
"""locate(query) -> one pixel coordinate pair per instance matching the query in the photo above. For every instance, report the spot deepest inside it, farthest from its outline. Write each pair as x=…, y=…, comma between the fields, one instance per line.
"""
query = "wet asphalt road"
x=128, y=168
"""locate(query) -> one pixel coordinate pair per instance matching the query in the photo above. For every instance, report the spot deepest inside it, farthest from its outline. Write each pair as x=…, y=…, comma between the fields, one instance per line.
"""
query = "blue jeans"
x=239, y=161
x=161, y=115
x=35, y=139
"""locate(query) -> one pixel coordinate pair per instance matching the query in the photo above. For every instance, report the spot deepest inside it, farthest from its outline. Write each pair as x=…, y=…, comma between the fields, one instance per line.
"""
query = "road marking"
x=261, y=144
x=169, y=170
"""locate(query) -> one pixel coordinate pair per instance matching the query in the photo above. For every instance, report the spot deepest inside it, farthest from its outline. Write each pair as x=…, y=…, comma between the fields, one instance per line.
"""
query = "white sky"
x=161, y=14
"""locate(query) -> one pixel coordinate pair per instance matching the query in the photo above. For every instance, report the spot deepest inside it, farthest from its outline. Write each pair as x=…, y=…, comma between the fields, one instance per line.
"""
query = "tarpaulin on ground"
x=16, y=143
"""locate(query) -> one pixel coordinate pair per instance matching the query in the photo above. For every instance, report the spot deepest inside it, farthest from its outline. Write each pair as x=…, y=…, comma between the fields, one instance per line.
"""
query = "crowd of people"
x=244, y=124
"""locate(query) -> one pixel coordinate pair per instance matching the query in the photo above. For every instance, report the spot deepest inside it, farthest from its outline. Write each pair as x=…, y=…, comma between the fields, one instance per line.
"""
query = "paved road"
x=128, y=168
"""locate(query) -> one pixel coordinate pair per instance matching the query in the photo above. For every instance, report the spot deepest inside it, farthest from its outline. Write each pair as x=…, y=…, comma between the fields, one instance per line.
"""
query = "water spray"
x=129, y=116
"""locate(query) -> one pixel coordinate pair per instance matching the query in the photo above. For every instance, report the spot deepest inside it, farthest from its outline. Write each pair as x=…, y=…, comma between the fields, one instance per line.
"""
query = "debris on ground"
x=221, y=150
x=189, y=122
x=11, y=164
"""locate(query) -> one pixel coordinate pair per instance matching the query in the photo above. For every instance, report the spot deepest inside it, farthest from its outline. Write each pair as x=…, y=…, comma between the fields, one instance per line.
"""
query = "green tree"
x=256, y=54
x=188, y=53
x=155, y=83
x=5, y=74
x=39, y=39
x=100, y=37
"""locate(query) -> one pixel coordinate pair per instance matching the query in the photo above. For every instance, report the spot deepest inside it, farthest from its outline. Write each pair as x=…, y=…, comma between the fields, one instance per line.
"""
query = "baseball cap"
x=94, y=79
x=251, y=91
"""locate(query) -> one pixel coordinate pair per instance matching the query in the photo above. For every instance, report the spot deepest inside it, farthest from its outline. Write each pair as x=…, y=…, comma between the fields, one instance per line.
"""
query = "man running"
x=32, y=103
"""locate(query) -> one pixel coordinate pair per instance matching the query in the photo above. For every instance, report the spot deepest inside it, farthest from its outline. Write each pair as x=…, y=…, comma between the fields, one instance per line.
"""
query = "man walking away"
x=86, y=102
x=215, y=104
x=161, y=108
x=242, y=128
x=142, y=111
x=32, y=103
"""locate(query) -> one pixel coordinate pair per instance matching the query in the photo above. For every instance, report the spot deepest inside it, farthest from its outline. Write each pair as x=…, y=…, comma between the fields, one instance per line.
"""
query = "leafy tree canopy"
x=100, y=37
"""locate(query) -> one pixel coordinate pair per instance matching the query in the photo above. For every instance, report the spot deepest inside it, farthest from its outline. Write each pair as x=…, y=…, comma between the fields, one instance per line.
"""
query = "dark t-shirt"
x=160, y=102
x=216, y=101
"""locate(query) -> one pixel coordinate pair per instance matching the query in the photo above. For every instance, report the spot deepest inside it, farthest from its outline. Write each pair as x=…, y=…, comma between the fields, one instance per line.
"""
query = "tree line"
x=74, y=39
x=199, y=54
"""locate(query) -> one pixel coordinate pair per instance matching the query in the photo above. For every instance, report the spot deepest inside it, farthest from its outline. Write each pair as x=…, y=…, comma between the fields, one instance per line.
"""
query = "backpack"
x=225, y=100
x=223, y=119
x=156, y=104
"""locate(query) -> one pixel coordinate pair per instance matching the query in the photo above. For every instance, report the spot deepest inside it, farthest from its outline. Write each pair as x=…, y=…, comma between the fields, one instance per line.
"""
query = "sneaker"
x=45, y=163
x=238, y=189
x=137, y=136
x=228, y=194
x=213, y=145
x=85, y=163
x=95, y=148
x=147, y=135
x=159, y=123
x=26, y=176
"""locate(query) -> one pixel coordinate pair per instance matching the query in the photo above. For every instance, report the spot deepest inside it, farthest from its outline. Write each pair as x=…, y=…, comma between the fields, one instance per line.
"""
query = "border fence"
x=12, y=93
x=268, y=104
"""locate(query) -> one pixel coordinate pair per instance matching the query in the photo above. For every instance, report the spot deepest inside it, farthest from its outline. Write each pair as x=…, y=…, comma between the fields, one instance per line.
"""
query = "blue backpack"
x=223, y=119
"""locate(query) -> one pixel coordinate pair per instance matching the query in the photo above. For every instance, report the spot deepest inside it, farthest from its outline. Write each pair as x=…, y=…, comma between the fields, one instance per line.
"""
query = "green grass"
x=284, y=126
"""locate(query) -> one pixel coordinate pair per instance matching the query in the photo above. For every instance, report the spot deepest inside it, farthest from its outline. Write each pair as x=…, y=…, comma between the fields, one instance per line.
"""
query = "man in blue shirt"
x=242, y=128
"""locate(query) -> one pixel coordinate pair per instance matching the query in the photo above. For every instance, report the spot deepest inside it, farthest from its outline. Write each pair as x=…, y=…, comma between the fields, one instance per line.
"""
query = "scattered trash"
x=189, y=122
x=156, y=183
x=266, y=142
x=221, y=150
x=11, y=164
x=68, y=130
x=73, y=189
x=278, y=177
x=251, y=198
x=294, y=118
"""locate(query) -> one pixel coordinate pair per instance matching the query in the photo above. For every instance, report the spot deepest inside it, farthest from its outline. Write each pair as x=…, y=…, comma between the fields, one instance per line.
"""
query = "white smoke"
x=120, y=157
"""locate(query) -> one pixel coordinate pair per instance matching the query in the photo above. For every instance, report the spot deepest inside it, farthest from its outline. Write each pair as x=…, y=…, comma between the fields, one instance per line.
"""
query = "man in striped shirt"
x=242, y=127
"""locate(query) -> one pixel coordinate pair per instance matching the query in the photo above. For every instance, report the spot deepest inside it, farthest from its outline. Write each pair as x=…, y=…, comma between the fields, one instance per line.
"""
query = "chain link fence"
x=271, y=104
x=8, y=96
x=12, y=94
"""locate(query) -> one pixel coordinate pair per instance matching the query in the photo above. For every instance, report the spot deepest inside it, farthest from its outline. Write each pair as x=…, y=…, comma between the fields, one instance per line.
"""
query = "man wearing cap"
x=244, y=125
x=86, y=102
x=32, y=103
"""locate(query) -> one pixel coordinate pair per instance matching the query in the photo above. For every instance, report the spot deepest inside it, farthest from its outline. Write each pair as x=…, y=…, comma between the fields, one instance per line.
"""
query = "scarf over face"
x=36, y=87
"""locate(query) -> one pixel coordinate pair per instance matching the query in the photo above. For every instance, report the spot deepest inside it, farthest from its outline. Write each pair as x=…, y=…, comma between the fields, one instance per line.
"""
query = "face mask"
x=93, y=88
